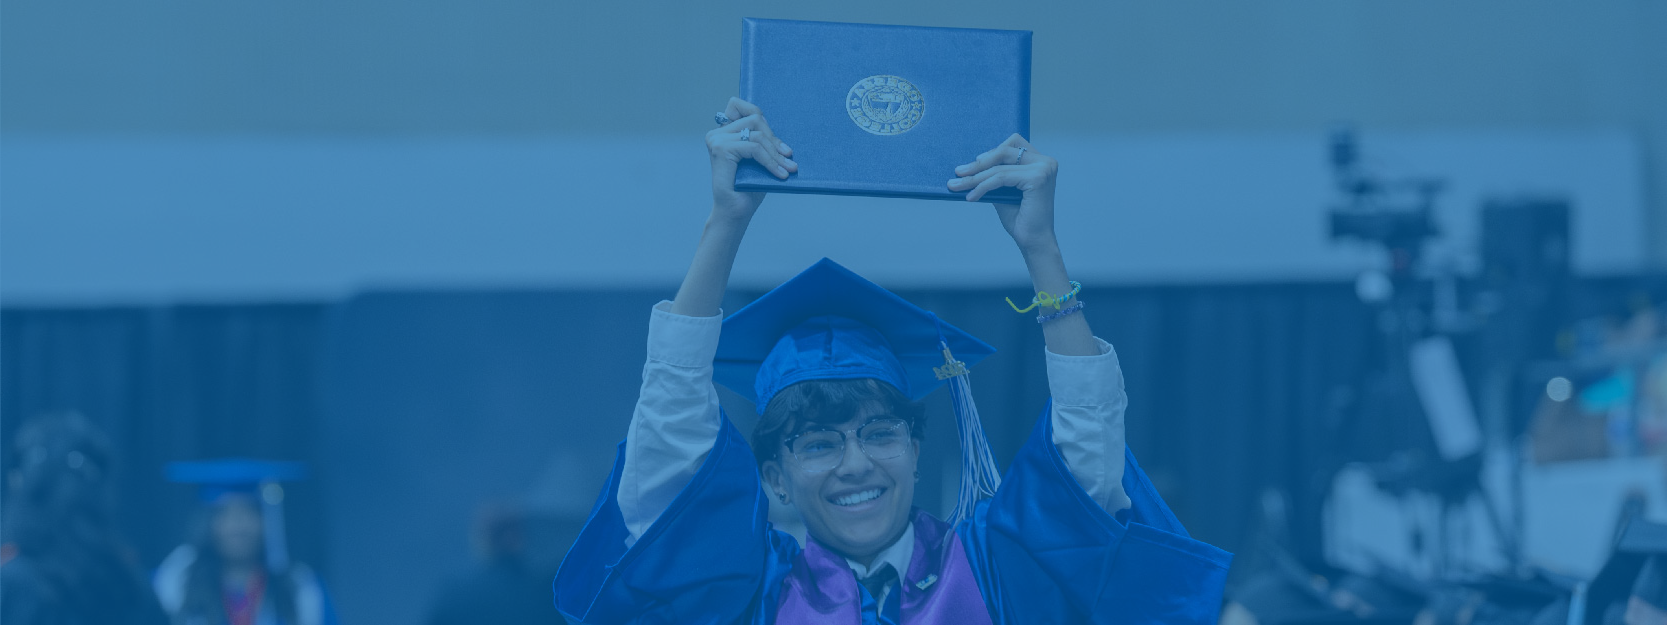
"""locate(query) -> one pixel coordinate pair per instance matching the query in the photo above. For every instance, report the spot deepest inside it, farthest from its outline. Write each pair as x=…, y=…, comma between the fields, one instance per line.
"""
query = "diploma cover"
x=886, y=111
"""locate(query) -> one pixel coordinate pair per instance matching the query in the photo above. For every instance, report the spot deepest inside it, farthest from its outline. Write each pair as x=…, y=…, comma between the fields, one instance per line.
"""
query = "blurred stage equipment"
x=1526, y=277
x=1525, y=280
x=1391, y=213
x=1412, y=424
x=1418, y=393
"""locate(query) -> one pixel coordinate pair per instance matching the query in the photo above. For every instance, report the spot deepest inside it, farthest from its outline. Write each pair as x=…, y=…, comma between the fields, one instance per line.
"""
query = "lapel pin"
x=923, y=584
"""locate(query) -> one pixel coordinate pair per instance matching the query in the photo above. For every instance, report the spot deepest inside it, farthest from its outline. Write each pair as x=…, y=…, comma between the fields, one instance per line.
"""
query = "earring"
x=917, y=475
x=782, y=497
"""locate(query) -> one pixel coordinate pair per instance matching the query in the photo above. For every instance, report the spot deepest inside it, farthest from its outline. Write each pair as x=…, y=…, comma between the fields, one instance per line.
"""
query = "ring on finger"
x=722, y=119
x=1021, y=156
x=746, y=134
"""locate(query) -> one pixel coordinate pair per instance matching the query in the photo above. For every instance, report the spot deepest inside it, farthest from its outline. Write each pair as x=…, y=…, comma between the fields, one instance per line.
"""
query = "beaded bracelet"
x=1065, y=311
x=1043, y=299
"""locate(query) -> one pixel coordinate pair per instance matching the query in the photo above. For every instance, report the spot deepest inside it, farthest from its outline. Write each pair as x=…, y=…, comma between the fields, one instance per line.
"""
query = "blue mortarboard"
x=236, y=475
x=865, y=332
x=257, y=478
x=829, y=323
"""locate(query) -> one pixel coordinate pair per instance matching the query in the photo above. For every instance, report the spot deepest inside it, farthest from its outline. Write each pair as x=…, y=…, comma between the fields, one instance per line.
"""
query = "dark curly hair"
x=62, y=516
x=829, y=402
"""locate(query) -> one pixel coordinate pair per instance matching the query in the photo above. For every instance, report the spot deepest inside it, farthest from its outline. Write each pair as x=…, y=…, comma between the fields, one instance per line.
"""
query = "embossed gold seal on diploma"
x=885, y=105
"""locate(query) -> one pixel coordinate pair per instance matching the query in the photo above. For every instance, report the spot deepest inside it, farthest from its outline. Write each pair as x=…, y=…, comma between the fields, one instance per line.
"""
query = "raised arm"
x=676, y=418
x=1083, y=373
x=703, y=287
x=1060, y=557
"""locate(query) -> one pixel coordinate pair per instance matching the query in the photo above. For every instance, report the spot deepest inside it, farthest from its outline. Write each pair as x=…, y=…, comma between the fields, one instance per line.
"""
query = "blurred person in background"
x=235, y=569
x=64, y=561
x=503, y=590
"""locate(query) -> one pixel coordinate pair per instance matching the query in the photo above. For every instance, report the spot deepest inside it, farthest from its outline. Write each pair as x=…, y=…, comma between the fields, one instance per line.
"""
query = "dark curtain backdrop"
x=416, y=407
x=175, y=383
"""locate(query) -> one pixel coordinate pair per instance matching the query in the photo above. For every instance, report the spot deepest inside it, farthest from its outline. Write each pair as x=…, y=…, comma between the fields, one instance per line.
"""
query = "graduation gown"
x=312, y=602
x=1040, y=551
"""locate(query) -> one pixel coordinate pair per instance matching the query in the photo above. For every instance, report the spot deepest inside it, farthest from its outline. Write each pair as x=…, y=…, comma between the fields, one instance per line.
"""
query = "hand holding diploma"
x=744, y=135
x=748, y=136
x=1015, y=163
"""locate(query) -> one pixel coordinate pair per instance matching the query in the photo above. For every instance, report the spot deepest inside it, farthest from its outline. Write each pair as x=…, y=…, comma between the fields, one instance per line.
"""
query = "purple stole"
x=939, y=587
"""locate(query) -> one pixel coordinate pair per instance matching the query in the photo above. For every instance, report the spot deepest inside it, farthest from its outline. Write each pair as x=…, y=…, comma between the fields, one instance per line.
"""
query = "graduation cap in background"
x=1637, y=567
x=260, y=480
x=828, y=323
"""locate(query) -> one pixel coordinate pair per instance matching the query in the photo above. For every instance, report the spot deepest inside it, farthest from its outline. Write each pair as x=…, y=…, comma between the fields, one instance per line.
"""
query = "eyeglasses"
x=822, y=450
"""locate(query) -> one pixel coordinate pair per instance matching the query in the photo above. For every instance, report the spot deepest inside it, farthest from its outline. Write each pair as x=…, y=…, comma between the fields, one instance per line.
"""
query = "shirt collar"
x=897, y=555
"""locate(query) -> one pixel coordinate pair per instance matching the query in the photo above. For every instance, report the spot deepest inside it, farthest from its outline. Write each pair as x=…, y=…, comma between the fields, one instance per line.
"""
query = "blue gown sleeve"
x=1044, y=551
x=707, y=559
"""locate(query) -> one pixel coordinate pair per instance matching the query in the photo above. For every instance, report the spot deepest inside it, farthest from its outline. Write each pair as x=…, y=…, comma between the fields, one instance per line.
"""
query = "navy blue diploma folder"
x=885, y=111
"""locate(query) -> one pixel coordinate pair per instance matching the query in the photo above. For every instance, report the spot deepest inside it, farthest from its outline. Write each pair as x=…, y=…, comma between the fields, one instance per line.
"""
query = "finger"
x=738, y=108
x=729, y=144
x=999, y=155
x=751, y=149
x=756, y=123
x=1012, y=155
x=761, y=132
x=990, y=183
x=772, y=146
x=761, y=154
x=744, y=121
x=984, y=162
x=776, y=163
x=968, y=182
x=766, y=135
x=759, y=125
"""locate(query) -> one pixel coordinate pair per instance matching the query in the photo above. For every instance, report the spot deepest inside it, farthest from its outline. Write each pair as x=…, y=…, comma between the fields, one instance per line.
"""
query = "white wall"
x=231, y=150
x=95, y=220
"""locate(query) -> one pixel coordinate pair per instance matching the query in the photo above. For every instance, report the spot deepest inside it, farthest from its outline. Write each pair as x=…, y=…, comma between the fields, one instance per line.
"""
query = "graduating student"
x=836, y=367
x=236, y=568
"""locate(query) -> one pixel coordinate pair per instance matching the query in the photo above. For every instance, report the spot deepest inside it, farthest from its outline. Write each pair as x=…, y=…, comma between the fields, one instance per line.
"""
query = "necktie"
x=876, y=583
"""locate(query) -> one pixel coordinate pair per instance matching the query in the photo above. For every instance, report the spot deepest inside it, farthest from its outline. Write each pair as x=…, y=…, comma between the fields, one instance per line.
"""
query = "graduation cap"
x=828, y=323
x=1637, y=567
x=258, y=479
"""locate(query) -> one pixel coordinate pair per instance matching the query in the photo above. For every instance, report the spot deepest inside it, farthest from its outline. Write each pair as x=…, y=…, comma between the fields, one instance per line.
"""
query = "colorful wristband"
x=1044, y=299
x=1065, y=311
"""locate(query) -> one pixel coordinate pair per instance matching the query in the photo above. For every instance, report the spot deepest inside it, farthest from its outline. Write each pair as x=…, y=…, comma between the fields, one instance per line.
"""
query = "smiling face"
x=861, y=505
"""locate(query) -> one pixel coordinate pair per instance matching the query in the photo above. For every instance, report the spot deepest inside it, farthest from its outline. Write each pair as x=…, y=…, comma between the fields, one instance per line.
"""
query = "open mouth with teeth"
x=857, y=497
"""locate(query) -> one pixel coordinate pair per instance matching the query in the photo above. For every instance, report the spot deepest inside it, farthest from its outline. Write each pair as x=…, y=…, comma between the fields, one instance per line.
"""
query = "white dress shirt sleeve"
x=676, y=420
x=1088, y=406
